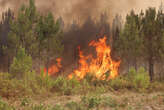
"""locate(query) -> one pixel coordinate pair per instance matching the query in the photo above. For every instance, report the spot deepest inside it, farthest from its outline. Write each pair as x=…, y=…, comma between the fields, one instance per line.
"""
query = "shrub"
x=11, y=87
x=25, y=101
x=65, y=86
x=22, y=64
x=131, y=74
x=59, y=84
x=141, y=79
x=134, y=79
x=119, y=83
x=94, y=102
x=45, y=81
x=91, y=101
x=8, y=86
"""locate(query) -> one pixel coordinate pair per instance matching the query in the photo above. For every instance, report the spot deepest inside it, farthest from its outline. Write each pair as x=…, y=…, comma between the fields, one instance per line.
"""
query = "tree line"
x=139, y=40
x=142, y=39
x=38, y=34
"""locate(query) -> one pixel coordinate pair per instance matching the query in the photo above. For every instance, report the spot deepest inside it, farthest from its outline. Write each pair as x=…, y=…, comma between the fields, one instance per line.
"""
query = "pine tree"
x=129, y=43
x=5, y=45
x=22, y=29
x=22, y=64
x=48, y=35
x=152, y=30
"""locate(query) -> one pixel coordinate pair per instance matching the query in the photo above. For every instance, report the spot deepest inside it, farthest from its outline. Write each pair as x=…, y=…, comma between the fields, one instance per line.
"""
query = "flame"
x=102, y=67
x=52, y=70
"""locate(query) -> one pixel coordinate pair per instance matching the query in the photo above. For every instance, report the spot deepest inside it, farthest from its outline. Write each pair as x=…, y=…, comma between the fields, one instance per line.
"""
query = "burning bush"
x=100, y=65
x=103, y=67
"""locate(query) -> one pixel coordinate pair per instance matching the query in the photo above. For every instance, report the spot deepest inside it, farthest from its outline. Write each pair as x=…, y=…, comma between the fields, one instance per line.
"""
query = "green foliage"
x=129, y=44
x=48, y=36
x=91, y=101
x=130, y=40
x=22, y=64
x=25, y=101
x=140, y=79
x=131, y=74
x=10, y=87
x=119, y=83
x=22, y=29
x=142, y=34
x=36, y=33
x=45, y=81
x=65, y=86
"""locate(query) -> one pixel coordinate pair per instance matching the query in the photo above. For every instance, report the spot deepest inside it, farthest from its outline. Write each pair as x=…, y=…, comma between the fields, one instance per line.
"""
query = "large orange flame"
x=52, y=70
x=102, y=67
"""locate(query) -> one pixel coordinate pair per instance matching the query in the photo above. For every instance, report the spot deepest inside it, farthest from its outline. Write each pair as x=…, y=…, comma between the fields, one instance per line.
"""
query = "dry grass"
x=109, y=101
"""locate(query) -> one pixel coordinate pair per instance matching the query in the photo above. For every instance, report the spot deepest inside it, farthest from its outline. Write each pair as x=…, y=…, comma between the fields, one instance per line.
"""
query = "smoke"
x=81, y=9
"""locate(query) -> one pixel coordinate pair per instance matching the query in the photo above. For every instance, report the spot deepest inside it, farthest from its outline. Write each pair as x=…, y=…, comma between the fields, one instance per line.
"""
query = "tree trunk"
x=8, y=64
x=39, y=55
x=48, y=57
x=135, y=64
x=151, y=68
x=47, y=65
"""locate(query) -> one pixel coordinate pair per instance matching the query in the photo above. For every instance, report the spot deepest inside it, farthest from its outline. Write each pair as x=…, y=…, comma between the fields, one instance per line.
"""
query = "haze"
x=80, y=9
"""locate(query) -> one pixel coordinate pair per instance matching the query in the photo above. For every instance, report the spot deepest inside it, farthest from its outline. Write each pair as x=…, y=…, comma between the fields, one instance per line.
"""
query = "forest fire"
x=102, y=67
x=52, y=70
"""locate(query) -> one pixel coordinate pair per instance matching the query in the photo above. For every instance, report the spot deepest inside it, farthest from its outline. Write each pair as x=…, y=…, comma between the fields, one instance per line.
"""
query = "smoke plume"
x=81, y=9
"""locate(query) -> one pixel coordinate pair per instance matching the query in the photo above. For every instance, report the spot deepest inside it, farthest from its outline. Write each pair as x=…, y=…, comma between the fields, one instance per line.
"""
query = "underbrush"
x=91, y=102
x=41, y=84
x=137, y=80
x=22, y=81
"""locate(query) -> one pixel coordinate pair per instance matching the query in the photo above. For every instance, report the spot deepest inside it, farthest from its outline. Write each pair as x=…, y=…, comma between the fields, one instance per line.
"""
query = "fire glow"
x=52, y=70
x=102, y=67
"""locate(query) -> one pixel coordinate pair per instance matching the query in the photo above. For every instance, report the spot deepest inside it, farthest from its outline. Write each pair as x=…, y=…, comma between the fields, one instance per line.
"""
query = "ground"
x=118, y=100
